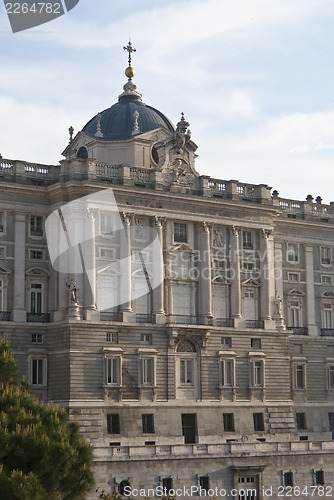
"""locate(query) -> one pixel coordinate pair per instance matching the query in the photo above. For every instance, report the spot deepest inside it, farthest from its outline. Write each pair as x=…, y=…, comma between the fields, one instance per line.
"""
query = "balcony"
x=298, y=330
x=5, y=315
x=144, y=318
x=327, y=332
x=38, y=318
x=254, y=323
x=110, y=316
x=227, y=322
x=181, y=319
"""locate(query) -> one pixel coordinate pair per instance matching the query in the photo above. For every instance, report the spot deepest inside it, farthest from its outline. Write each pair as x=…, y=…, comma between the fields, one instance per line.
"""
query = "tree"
x=42, y=454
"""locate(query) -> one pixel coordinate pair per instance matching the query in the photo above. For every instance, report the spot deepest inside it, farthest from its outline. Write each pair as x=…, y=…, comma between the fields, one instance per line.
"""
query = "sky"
x=254, y=79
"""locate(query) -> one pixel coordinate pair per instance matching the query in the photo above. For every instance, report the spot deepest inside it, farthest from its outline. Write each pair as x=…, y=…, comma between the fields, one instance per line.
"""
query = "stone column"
x=125, y=268
x=19, y=310
x=205, y=288
x=267, y=304
x=310, y=298
x=90, y=264
x=158, y=276
x=235, y=267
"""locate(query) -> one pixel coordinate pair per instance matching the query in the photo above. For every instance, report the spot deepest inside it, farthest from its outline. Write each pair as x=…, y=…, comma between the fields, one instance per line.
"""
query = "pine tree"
x=42, y=454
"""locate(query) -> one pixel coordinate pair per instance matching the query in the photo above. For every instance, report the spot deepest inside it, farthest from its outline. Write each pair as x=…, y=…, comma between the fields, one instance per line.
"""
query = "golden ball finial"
x=130, y=72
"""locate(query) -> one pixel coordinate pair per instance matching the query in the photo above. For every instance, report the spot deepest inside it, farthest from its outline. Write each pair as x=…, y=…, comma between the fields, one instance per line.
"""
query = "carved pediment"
x=328, y=295
x=296, y=292
x=221, y=280
x=108, y=271
x=4, y=270
x=182, y=247
x=179, y=172
x=37, y=271
x=250, y=282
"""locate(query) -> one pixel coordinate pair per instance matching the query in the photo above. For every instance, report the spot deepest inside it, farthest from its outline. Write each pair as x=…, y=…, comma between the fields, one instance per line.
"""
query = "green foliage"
x=109, y=496
x=8, y=367
x=42, y=454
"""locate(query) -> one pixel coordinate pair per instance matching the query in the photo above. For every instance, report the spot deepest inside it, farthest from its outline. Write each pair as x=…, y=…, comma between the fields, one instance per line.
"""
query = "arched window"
x=82, y=153
x=121, y=488
x=185, y=346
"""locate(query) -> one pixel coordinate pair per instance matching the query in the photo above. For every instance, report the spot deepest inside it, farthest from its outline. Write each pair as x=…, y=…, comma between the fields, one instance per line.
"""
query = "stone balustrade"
x=38, y=174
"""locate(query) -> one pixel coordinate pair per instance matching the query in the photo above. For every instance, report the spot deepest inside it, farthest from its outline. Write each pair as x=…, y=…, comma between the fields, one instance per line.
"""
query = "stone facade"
x=220, y=376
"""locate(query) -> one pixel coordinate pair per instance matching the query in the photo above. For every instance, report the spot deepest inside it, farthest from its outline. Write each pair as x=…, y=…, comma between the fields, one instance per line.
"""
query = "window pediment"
x=4, y=270
x=108, y=271
x=182, y=247
x=221, y=280
x=250, y=282
x=37, y=271
x=296, y=292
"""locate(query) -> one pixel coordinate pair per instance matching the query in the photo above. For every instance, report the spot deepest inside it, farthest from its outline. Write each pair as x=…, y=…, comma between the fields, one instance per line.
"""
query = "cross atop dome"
x=130, y=72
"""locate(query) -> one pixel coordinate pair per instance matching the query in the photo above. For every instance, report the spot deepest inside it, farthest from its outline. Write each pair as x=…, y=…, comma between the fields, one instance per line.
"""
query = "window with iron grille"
x=288, y=478
x=167, y=484
x=204, y=483
x=319, y=477
x=36, y=225
x=113, y=424
x=180, y=233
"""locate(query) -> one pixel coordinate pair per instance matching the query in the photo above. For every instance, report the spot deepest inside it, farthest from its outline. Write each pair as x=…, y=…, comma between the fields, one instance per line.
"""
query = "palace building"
x=213, y=370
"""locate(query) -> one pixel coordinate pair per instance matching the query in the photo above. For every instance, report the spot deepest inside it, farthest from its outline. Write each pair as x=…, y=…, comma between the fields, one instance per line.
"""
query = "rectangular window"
x=180, y=233
x=256, y=343
x=113, y=370
x=167, y=484
x=106, y=224
x=288, y=478
x=37, y=371
x=36, y=254
x=301, y=421
x=2, y=252
x=228, y=420
x=326, y=279
x=107, y=253
x=113, y=426
x=186, y=371
x=146, y=338
x=331, y=377
x=319, y=478
x=258, y=373
x=327, y=316
x=148, y=422
x=293, y=277
x=147, y=371
x=248, y=267
x=292, y=253
x=1, y=222
x=325, y=256
x=37, y=338
x=36, y=225
x=204, y=483
x=300, y=377
x=258, y=421
x=294, y=312
x=112, y=337
x=226, y=341
x=247, y=240
x=36, y=298
x=227, y=372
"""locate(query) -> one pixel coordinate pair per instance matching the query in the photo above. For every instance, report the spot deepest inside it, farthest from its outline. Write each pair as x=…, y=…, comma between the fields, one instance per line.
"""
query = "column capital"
x=266, y=233
x=159, y=221
x=207, y=226
x=92, y=213
x=236, y=230
x=127, y=218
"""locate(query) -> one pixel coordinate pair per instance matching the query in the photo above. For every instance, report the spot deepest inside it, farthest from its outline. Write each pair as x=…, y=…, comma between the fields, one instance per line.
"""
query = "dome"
x=127, y=118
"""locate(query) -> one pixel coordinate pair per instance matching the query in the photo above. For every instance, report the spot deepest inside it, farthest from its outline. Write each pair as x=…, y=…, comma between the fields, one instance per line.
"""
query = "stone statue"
x=278, y=307
x=182, y=136
x=72, y=291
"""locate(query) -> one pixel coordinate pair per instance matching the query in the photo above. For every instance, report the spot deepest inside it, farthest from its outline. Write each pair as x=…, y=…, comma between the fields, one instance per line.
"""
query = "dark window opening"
x=113, y=423
x=204, y=482
x=288, y=478
x=167, y=484
x=301, y=420
x=148, y=422
x=180, y=233
x=189, y=427
x=319, y=477
x=228, y=419
x=82, y=153
x=258, y=422
x=121, y=488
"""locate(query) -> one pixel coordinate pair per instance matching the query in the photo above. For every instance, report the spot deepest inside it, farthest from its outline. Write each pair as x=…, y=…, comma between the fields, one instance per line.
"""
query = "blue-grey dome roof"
x=120, y=122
